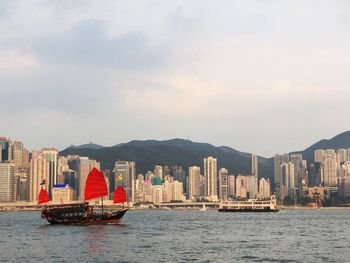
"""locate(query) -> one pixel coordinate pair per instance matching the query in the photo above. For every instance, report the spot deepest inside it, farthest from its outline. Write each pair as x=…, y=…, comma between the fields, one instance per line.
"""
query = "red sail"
x=43, y=197
x=119, y=195
x=95, y=185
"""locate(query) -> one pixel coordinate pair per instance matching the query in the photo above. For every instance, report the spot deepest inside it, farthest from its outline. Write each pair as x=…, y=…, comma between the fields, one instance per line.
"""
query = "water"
x=181, y=236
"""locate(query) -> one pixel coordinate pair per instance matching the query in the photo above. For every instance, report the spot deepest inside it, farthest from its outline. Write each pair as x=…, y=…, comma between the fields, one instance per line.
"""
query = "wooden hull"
x=80, y=214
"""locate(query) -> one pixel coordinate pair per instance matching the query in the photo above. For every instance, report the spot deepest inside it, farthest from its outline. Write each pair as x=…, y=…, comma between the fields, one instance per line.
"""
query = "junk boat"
x=82, y=213
x=250, y=205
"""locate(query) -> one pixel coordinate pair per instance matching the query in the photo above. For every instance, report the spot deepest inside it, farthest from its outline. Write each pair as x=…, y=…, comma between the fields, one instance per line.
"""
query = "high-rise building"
x=277, y=173
x=254, y=165
x=223, y=184
x=157, y=194
x=158, y=171
x=180, y=175
x=264, y=188
x=341, y=155
x=287, y=182
x=231, y=186
x=17, y=153
x=211, y=178
x=39, y=171
x=7, y=182
x=21, y=186
x=6, y=149
x=297, y=160
x=241, y=189
x=330, y=167
x=51, y=155
x=330, y=154
x=253, y=187
x=125, y=173
x=194, y=182
x=319, y=156
x=177, y=191
x=84, y=167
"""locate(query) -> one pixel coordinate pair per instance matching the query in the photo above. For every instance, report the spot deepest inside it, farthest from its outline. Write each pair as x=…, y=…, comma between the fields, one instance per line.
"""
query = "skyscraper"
x=330, y=167
x=158, y=171
x=39, y=171
x=254, y=165
x=51, y=155
x=7, y=182
x=84, y=167
x=277, y=173
x=264, y=188
x=125, y=174
x=223, y=184
x=287, y=180
x=231, y=186
x=253, y=187
x=341, y=155
x=194, y=182
x=6, y=149
x=17, y=154
x=211, y=178
x=319, y=156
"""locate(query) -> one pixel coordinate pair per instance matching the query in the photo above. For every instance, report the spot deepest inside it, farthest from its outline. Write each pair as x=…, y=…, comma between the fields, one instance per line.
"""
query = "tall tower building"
x=126, y=172
x=211, y=178
x=330, y=154
x=253, y=187
x=341, y=155
x=287, y=182
x=84, y=167
x=223, y=184
x=51, y=155
x=194, y=182
x=7, y=182
x=158, y=171
x=330, y=167
x=241, y=188
x=17, y=154
x=254, y=165
x=264, y=188
x=231, y=191
x=319, y=156
x=39, y=171
x=6, y=149
x=277, y=173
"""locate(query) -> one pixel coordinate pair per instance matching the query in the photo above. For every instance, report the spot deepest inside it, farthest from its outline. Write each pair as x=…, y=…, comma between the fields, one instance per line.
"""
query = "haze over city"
x=259, y=76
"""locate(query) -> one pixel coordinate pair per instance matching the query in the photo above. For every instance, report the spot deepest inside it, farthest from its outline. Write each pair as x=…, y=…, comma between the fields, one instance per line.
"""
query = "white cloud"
x=265, y=76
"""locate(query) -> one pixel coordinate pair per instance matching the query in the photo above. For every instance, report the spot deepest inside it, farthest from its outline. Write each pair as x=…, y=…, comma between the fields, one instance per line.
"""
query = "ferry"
x=250, y=205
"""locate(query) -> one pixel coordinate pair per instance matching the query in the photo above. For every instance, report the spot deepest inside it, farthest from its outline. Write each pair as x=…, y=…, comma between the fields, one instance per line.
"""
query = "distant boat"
x=250, y=205
x=82, y=213
x=203, y=208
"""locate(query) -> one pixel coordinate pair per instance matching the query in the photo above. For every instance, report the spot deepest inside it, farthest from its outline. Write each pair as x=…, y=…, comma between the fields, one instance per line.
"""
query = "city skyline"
x=255, y=72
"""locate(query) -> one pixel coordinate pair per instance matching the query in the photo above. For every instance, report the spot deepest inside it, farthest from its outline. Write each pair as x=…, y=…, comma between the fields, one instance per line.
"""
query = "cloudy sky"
x=259, y=76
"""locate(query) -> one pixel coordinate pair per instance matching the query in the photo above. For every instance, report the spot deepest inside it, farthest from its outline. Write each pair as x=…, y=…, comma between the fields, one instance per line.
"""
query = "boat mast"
x=102, y=205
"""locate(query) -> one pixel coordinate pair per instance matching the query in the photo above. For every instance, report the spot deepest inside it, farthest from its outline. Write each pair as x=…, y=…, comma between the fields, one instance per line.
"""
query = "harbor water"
x=181, y=236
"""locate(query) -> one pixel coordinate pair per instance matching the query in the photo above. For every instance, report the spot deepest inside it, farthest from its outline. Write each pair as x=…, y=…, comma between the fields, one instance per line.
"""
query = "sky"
x=260, y=76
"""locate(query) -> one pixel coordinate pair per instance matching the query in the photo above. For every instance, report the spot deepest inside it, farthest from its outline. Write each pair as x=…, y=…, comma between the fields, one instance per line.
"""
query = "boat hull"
x=248, y=210
x=80, y=214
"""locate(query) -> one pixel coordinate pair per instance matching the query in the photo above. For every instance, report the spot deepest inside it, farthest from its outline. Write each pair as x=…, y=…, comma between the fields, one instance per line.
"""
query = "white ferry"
x=250, y=205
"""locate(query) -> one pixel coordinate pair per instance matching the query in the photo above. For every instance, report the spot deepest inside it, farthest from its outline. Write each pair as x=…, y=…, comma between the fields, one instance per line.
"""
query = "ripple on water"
x=177, y=236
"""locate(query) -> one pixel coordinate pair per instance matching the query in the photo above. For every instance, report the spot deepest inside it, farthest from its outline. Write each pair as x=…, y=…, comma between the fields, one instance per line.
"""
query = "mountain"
x=86, y=146
x=181, y=152
x=341, y=140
